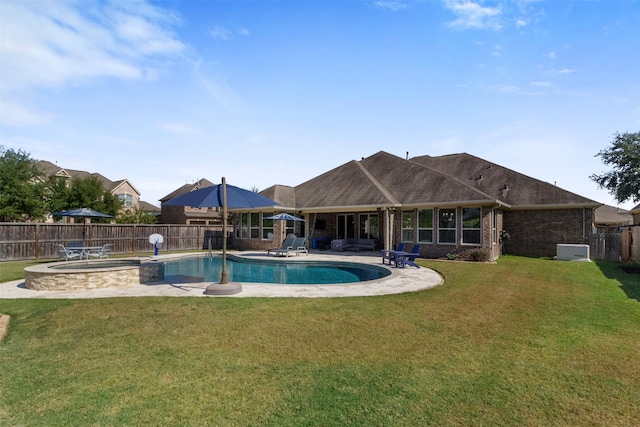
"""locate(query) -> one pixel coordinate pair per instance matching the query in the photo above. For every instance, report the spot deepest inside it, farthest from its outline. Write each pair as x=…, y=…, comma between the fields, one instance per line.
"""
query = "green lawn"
x=524, y=342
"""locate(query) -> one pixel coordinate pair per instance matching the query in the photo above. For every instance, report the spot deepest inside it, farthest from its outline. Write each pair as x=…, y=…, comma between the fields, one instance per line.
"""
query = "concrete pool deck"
x=401, y=280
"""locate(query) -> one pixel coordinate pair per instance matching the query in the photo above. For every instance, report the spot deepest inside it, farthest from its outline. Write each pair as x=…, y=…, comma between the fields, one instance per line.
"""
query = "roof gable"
x=384, y=180
x=201, y=183
x=346, y=185
x=411, y=183
x=284, y=195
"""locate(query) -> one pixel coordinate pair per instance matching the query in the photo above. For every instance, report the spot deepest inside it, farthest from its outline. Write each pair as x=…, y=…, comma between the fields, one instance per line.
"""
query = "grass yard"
x=524, y=342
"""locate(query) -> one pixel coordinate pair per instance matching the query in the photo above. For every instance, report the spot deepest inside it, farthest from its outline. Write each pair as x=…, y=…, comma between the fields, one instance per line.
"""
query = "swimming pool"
x=261, y=271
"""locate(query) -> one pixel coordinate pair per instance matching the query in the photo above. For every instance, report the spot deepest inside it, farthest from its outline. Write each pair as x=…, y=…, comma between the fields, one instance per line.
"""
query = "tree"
x=22, y=187
x=136, y=216
x=58, y=194
x=623, y=182
x=90, y=193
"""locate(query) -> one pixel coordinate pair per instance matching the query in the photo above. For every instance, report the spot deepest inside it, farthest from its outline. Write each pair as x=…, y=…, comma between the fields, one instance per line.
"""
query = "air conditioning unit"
x=567, y=252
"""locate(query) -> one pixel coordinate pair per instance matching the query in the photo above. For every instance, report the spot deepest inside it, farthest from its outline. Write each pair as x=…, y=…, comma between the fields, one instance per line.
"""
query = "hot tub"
x=94, y=274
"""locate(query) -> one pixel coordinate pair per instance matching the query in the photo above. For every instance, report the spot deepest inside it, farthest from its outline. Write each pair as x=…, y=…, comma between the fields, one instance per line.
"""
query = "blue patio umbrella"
x=82, y=212
x=211, y=197
x=226, y=197
x=285, y=217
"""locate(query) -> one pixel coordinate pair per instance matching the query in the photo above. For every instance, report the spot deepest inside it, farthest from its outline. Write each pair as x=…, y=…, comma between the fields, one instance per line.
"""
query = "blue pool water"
x=261, y=271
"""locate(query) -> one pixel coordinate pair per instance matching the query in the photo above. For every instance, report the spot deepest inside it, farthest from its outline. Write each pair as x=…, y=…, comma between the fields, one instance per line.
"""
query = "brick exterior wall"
x=436, y=250
x=532, y=232
x=537, y=232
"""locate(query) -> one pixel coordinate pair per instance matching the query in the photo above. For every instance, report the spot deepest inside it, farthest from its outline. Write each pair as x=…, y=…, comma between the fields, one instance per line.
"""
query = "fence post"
x=37, y=237
x=134, y=241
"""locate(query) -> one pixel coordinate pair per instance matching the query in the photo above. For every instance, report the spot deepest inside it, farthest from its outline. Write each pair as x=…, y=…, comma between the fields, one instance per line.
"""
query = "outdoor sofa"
x=353, y=244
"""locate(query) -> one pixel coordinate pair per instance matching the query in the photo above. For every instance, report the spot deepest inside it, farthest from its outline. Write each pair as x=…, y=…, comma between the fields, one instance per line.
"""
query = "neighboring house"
x=185, y=214
x=635, y=213
x=147, y=207
x=609, y=219
x=125, y=191
x=448, y=204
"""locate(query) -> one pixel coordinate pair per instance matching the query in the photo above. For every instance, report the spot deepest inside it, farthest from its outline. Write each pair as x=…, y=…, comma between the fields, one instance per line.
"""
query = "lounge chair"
x=391, y=255
x=102, y=252
x=68, y=254
x=286, y=244
x=402, y=260
x=297, y=247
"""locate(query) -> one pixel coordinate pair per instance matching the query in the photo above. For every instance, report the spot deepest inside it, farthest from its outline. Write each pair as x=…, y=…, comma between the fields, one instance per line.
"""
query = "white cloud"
x=217, y=87
x=551, y=55
x=221, y=33
x=394, y=6
x=53, y=44
x=541, y=84
x=179, y=128
x=472, y=15
x=17, y=115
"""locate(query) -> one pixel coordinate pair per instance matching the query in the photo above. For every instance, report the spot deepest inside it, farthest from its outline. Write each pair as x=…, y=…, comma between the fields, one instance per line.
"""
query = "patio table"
x=84, y=250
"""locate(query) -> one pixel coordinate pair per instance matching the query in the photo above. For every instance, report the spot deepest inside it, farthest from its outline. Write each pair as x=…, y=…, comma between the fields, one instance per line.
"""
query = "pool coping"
x=401, y=280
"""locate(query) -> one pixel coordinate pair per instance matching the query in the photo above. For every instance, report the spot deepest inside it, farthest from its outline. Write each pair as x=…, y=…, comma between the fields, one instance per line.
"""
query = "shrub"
x=479, y=255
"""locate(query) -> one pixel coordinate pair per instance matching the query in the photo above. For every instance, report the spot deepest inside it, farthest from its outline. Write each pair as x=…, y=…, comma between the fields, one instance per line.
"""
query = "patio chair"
x=286, y=244
x=297, y=247
x=102, y=252
x=68, y=254
x=390, y=255
x=403, y=260
x=300, y=245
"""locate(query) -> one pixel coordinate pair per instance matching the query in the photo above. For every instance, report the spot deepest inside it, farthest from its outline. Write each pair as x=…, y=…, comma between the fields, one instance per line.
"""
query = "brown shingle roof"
x=458, y=179
x=201, y=183
x=514, y=188
x=51, y=169
x=346, y=185
x=611, y=215
x=283, y=194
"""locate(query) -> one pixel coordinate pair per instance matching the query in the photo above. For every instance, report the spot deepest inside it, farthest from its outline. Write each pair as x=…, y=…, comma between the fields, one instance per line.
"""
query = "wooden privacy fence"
x=22, y=241
x=623, y=246
x=605, y=247
x=630, y=247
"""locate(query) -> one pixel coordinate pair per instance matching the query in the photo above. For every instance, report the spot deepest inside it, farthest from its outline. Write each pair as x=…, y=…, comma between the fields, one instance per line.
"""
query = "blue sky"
x=278, y=92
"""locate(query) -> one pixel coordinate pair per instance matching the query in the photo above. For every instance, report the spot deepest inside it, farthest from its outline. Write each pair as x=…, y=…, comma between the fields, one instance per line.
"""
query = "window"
x=267, y=225
x=346, y=226
x=126, y=199
x=446, y=226
x=471, y=225
x=369, y=226
x=254, y=226
x=290, y=227
x=407, y=226
x=494, y=226
x=244, y=225
x=425, y=225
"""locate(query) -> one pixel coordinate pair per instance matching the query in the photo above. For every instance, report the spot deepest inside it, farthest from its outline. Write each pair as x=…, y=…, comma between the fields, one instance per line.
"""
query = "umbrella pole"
x=223, y=278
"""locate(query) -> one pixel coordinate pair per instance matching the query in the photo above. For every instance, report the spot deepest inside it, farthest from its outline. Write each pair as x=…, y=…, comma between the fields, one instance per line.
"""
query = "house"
x=609, y=219
x=147, y=207
x=126, y=192
x=186, y=214
x=635, y=213
x=448, y=204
